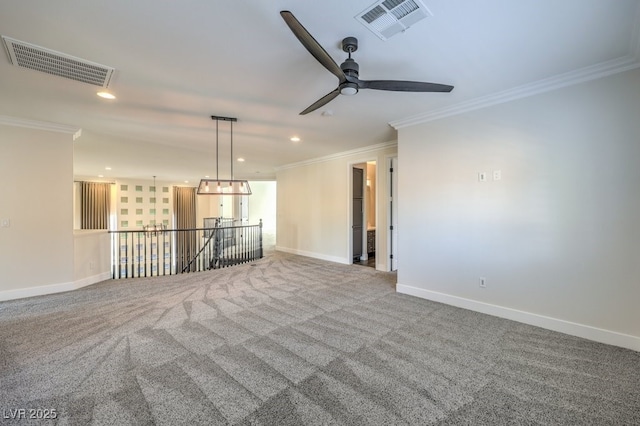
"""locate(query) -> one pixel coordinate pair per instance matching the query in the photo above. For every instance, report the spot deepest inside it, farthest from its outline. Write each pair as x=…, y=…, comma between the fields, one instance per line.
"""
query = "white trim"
x=94, y=279
x=562, y=326
x=589, y=73
x=22, y=293
x=320, y=256
x=364, y=150
x=41, y=125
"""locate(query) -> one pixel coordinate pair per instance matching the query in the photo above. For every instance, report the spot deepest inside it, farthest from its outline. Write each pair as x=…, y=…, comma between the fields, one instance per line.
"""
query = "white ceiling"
x=178, y=62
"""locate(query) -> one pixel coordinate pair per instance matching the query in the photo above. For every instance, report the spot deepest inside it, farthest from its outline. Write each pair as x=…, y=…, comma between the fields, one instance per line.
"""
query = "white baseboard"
x=21, y=293
x=314, y=255
x=562, y=326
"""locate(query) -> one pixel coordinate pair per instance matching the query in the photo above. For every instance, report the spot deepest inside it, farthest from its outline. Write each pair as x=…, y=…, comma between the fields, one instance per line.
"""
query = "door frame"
x=363, y=252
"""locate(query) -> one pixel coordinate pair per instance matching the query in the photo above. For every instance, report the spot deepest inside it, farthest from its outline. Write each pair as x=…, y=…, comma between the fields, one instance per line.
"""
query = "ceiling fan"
x=348, y=71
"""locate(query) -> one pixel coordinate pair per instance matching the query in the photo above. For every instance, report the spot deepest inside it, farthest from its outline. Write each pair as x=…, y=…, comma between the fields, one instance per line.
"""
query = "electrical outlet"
x=483, y=282
x=5, y=223
x=497, y=174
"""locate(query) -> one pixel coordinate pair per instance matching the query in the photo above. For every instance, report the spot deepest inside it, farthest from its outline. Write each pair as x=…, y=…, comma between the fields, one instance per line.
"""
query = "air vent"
x=38, y=58
x=387, y=18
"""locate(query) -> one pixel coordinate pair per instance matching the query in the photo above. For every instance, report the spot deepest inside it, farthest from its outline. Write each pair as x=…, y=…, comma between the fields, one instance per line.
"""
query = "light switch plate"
x=482, y=177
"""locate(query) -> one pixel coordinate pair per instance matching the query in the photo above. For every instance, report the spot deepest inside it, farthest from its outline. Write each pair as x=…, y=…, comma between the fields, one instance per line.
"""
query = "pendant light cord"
x=231, y=159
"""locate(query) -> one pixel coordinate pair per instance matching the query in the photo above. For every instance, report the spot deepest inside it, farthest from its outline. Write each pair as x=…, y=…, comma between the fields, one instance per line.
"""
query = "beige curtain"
x=184, y=206
x=95, y=205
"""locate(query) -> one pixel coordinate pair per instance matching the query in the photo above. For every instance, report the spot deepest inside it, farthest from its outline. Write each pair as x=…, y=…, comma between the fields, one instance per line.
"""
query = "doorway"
x=358, y=213
x=363, y=208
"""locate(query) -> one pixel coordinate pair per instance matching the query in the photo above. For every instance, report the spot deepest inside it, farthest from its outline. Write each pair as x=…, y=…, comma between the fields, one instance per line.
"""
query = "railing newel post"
x=260, y=239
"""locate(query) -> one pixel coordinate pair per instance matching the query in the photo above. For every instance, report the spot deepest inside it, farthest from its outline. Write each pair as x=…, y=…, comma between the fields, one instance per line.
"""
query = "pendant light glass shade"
x=223, y=187
x=219, y=186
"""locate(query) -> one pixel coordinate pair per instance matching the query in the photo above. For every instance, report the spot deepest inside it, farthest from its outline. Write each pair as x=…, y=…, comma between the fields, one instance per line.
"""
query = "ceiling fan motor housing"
x=350, y=68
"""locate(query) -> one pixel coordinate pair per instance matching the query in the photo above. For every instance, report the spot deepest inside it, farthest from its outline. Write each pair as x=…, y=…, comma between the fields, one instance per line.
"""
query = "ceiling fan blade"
x=404, y=86
x=312, y=45
x=322, y=101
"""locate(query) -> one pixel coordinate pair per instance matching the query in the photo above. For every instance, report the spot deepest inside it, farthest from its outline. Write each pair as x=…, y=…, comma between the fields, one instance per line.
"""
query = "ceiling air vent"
x=389, y=17
x=38, y=58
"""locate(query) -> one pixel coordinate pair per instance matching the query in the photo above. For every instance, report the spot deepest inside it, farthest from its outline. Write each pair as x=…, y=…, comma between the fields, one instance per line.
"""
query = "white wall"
x=262, y=204
x=313, y=207
x=36, y=192
x=370, y=192
x=92, y=256
x=558, y=238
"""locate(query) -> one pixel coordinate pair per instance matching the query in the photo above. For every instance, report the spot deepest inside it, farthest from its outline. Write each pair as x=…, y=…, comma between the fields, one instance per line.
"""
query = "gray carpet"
x=296, y=341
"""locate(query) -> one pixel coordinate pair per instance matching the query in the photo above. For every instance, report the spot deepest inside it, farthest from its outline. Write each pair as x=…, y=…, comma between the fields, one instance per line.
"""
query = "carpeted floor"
x=296, y=341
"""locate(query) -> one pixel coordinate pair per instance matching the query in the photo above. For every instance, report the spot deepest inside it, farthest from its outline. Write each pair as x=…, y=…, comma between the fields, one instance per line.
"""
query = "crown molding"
x=364, y=150
x=593, y=72
x=41, y=125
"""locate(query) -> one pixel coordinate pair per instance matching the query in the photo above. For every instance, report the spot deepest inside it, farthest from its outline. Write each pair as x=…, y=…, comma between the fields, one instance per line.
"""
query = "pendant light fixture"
x=219, y=186
x=155, y=226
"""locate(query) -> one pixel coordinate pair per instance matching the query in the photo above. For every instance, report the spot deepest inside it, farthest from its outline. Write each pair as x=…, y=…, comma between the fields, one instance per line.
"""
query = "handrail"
x=140, y=253
x=205, y=245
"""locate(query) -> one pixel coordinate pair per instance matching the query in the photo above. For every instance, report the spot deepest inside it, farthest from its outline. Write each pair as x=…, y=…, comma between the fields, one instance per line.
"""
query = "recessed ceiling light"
x=241, y=160
x=295, y=139
x=327, y=113
x=100, y=175
x=207, y=177
x=107, y=168
x=186, y=181
x=106, y=95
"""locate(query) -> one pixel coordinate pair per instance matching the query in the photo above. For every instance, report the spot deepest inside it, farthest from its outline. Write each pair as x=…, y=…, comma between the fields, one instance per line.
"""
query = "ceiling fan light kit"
x=219, y=186
x=348, y=73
